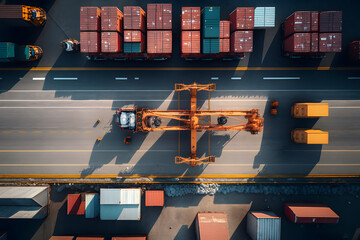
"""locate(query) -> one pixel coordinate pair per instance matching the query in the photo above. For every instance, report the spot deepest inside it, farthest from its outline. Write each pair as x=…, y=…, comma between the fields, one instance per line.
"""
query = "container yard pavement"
x=176, y=219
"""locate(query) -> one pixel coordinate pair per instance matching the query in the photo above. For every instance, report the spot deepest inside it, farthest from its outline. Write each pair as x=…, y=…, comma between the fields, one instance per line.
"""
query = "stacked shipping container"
x=159, y=18
x=224, y=36
x=190, y=20
x=242, y=18
x=210, y=17
x=90, y=27
x=134, y=20
x=302, y=37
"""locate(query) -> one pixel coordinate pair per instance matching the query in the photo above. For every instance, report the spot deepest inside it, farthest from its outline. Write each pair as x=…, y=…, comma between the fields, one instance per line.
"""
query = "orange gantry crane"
x=193, y=120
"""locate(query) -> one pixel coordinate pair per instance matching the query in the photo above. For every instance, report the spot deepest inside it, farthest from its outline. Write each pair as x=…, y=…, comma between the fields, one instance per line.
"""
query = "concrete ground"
x=176, y=219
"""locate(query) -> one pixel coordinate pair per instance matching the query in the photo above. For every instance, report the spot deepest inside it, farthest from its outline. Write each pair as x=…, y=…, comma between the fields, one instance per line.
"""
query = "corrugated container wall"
x=264, y=17
x=24, y=196
x=242, y=41
x=90, y=42
x=134, y=36
x=90, y=19
x=111, y=19
x=242, y=18
x=224, y=45
x=314, y=42
x=211, y=45
x=75, y=206
x=224, y=29
x=263, y=226
x=154, y=198
x=190, y=18
x=330, y=22
x=354, y=51
x=330, y=42
x=310, y=213
x=159, y=16
x=190, y=41
x=111, y=42
x=298, y=22
x=211, y=22
x=298, y=43
x=159, y=42
x=212, y=226
x=92, y=205
x=134, y=18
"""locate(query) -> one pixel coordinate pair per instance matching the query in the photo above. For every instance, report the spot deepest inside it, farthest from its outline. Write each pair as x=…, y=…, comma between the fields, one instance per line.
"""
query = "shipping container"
x=159, y=16
x=242, y=41
x=242, y=18
x=224, y=29
x=111, y=42
x=134, y=36
x=263, y=225
x=314, y=27
x=298, y=43
x=134, y=18
x=154, y=198
x=21, y=15
x=159, y=42
x=90, y=19
x=111, y=19
x=314, y=42
x=309, y=136
x=310, y=213
x=330, y=22
x=62, y=238
x=190, y=41
x=211, y=28
x=330, y=42
x=212, y=226
x=298, y=22
x=92, y=205
x=224, y=45
x=310, y=110
x=75, y=206
x=354, y=51
x=128, y=238
x=134, y=47
x=211, y=13
x=90, y=42
x=190, y=18
x=7, y=51
x=264, y=17
x=90, y=238
x=210, y=45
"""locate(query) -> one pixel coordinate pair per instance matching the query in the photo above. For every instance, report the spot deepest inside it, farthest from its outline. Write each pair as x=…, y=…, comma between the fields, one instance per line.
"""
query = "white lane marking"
x=355, y=78
x=65, y=79
x=281, y=78
x=20, y=78
x=38, y=79
x=344, y=107
x=235, y=78
x=136, y=78
x=214, y=78
x=121, y=78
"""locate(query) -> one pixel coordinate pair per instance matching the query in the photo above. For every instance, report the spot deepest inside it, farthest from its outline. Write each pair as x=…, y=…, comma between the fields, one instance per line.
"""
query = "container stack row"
x=312, y=33
x=242, y=24
x=190, y=30
x=210, y=19
x=134, y=29
x=159, y=25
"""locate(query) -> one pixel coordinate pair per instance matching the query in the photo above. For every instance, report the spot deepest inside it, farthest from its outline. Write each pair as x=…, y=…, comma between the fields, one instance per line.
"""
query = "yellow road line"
x=5, y=131
x=78, y=176
x=183, y=69
x=52, y=131
x=88, y=131
x=64, y=131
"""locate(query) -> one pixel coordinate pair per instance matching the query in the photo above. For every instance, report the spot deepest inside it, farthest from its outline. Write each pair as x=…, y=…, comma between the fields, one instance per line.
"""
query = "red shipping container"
x=314, y=21
x=298, y=22
x=190, y=18
x=354, y=51
x=159, y=16
x=111, y=42
x=111, y=19
x=314, y=42
x=90, y=19
x=224, y=29
x=298, y=43
x=212, y=226
x=190, y=41
x=128, y=238
x=159, y=42
x=154, y=198
x=134, y=18
x=242, y=41
x=134, y=36
x=74, y=205
x=62, y=238
x=330, y=42
x=90, y=238
x=224, y=45
x=90, y=42
x=330, y=21
x=242, y=18
x=310, y=213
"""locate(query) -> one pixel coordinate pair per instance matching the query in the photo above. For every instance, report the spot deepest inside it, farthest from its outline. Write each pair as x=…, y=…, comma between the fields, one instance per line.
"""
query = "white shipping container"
x=263, y=226
x=92, y=205
x=264, y=17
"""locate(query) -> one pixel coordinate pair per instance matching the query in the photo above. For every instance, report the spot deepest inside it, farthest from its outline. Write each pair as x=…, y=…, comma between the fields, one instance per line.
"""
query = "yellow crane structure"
x=193, y=120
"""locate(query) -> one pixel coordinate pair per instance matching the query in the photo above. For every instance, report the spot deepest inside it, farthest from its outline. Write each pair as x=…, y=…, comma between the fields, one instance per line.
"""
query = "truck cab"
x=126, y=118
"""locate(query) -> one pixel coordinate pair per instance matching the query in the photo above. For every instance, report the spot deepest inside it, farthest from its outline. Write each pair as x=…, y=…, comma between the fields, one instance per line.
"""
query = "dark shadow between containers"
x=186, y=232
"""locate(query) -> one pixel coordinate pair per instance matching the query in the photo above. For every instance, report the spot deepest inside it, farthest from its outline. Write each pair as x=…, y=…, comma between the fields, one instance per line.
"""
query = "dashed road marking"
x=353, y=78
x=38, y=79
x=88, y=131
x=65, y=79
x=281, y=78
x=136, y=78
x=214, y=78
x=235, y=78
x=121, y=78
x=36, y=131
x=52, y=131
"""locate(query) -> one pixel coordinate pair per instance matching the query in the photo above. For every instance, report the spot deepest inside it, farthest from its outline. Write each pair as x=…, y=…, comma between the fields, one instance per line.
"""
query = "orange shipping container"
x=190, y=41
x=134, y=18
x=159, y=42
x=224, y=29
x=90, y=19
x=134, y=36
x=154, y=198
x=111, y=42
x=190, y=18
x=90, y=42
x=111, y=19
x=224, y=45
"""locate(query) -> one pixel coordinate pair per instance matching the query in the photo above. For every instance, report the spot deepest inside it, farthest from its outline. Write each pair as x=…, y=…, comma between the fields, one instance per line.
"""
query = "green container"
x=22, y=53
x=211, y=31
x=132, y=47
x=211, y=45
x=211, y=13
x=7, y=51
